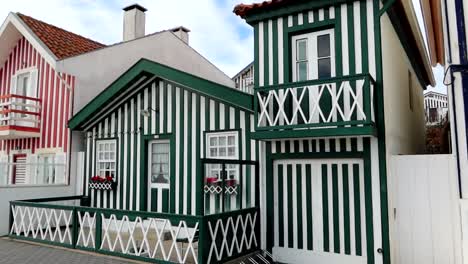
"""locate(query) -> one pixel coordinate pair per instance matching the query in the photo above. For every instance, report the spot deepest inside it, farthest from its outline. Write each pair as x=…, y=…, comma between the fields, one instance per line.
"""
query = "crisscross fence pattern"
x=146, y=236
x=334, y=102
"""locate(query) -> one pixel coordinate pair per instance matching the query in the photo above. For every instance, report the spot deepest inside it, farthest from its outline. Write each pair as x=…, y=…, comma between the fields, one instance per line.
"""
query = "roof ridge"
x=59, y=28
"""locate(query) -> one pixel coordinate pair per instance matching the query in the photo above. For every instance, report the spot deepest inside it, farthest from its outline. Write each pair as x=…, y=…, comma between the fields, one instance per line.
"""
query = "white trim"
x=222, y=134
x=305, y=256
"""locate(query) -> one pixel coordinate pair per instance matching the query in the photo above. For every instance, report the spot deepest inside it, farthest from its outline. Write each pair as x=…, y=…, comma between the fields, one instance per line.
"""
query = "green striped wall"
x=184, y=115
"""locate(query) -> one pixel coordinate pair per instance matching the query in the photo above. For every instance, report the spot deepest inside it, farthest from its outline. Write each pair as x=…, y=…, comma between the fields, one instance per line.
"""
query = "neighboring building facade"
x=436, y=107
x=338, y=90
x=245, y=79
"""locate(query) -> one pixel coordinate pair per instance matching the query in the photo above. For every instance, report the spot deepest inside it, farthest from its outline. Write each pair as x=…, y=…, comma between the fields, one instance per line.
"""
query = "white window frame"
x=41, y=168
x=217, y=167
x=32, y=85
x=312, y=53
x=110, y=160
x=150, y=156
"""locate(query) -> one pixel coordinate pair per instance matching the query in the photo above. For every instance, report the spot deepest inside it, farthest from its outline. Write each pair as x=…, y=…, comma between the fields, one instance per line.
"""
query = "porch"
x=339, y=106
x=19, y=116
x=209, y=236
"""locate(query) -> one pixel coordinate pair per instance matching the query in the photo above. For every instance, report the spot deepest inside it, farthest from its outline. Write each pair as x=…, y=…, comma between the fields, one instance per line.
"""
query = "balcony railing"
x=19, y=116
x=325, y=107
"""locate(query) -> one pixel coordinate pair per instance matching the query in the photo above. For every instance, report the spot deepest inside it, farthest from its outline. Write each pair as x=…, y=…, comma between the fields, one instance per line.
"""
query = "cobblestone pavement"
x=16, y=252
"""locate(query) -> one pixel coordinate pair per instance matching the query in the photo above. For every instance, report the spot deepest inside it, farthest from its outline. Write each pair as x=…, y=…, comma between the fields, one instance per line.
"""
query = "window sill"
x=32, y=185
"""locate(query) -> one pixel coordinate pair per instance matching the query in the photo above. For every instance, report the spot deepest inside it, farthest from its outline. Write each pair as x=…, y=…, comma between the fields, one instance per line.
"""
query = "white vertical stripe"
x=154, y=117
x=344, y=39
x=300, y=19
x=363, y=210
x=194, y=112
x=88, y=151
x=275, y=202
x=132, y=146
x=177, y=151
x=321, y=14
x=253, y=156
x=125, y=143
x=169, y=108
x=145, y=106
x=261, y=61
x=185, y=164
x=232, y=115
x=222, y=124
x=270, y=52
x=290, y=21
x=280, y=51
x=119, y=148
x=93, y=163
x=376, y=204
x=352, y=213
x=161, y=107
x=357, y=36
x=112, y=131
x=294, y=203
x=331, y=11
x=311, y=16
x=341, y=206
x=285, y=203
x=304, y=205
x=317, y=208
x=330, y=206
x=327, y=145
x=202, y=125
x=98, y=193
x=138, y=147
x=244, y=151
x=370, y=37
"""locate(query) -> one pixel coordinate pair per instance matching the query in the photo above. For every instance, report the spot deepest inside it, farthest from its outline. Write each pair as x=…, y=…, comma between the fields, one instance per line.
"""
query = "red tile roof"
x=61, y=42
x=243, y=9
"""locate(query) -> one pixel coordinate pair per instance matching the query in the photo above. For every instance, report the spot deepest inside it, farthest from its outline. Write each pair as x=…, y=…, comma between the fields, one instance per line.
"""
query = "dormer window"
x=313, y=55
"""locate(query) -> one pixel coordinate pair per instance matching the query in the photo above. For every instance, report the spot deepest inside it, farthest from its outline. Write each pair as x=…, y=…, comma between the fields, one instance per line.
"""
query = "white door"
x=158, y=175
x=319, y=211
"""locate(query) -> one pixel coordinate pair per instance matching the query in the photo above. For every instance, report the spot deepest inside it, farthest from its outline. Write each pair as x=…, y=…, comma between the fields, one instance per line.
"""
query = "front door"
x=319, y=211
x=158, y=175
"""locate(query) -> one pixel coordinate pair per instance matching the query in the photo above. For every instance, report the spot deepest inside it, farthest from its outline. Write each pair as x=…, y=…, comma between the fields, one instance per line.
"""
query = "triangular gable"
x=148, y=69
x=12, y=29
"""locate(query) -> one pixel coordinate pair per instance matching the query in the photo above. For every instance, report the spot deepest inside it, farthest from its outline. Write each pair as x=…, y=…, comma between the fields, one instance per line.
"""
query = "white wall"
x=425, y=213
x=96, y=70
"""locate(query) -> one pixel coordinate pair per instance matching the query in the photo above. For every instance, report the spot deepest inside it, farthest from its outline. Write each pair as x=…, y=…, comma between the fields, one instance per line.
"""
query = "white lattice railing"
x=232, y=234
x=335, y=102
x=52, y=223
x=140, y=235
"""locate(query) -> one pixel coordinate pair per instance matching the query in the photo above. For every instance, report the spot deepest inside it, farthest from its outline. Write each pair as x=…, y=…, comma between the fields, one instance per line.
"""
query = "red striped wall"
x=56, y=98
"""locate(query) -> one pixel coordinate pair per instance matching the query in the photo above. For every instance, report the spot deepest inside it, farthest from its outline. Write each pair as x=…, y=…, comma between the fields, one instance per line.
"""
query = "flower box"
x=102, y=183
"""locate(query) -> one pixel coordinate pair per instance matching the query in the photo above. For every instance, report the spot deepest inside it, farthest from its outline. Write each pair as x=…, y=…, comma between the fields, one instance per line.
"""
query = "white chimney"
x=134, y=22
x=182, y=33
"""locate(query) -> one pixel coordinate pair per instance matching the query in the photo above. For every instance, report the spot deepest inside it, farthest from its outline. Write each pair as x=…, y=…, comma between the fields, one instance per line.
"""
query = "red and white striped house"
x=35, y=100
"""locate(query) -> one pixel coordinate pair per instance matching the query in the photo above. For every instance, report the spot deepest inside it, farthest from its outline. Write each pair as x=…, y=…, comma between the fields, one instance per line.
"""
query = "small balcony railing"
x=325, y=107
x=19, y=116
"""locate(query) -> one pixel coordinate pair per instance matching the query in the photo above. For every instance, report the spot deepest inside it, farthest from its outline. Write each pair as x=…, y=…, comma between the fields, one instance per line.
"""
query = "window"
x=46, y=169
x=106, y=158
x=313, y=55
x=224, y=145
x=160, y=163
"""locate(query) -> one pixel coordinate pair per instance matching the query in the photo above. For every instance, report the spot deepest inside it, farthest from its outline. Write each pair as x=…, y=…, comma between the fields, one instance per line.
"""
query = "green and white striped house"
x=298, y=168
x=338, y=88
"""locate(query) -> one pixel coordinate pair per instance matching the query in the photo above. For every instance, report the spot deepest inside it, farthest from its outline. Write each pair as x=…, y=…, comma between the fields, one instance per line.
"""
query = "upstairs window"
x=223, y=145
x=313, y=55
x=24, y=83
x=106, y=160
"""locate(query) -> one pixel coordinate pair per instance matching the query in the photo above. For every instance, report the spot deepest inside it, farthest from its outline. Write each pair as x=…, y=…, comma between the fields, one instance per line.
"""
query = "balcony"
x=19, y=116
x=340, y=106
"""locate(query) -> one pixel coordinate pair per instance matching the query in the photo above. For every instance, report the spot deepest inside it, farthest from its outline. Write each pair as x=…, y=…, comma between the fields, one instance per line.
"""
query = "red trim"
x=9, y=96
x=20, y=128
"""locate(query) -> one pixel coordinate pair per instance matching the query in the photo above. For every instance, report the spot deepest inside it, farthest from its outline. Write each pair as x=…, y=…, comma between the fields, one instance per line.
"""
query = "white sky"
x=216, y=32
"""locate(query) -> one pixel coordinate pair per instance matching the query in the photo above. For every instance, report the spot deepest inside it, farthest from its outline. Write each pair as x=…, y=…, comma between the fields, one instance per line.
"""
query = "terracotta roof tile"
x=61, y=42
x=243, y=9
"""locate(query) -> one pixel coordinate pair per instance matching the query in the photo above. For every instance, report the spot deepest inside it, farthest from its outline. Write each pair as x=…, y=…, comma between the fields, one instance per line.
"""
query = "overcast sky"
x=216, y=32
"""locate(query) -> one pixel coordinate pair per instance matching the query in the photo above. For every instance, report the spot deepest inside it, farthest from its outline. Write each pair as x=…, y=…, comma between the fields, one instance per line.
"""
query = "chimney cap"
x=137, y=6
x=179, y=28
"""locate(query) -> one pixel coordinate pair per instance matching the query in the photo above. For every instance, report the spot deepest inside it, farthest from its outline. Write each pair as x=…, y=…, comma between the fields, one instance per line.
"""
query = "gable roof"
x=243, y=10
x=147, y=69
x=60, y=42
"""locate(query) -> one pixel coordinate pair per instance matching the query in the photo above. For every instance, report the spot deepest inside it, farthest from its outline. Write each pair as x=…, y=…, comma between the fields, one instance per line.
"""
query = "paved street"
x=15, y=252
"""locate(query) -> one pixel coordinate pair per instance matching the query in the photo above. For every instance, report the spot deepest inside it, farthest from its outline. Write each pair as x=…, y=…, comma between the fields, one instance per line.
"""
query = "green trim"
x=368, y=202
x=298, y=6
x=321, y=132
x=148, y=68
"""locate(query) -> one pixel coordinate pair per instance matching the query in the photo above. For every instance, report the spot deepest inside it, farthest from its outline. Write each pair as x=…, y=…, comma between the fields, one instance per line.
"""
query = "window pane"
x=231, y=140
x=213, y=141
x=222, y=152
x=302, y=71
x=301, y=47
x=213, y=152
x=324, y=68
x=222, y=141
x=231, y=151
x=323, y=45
